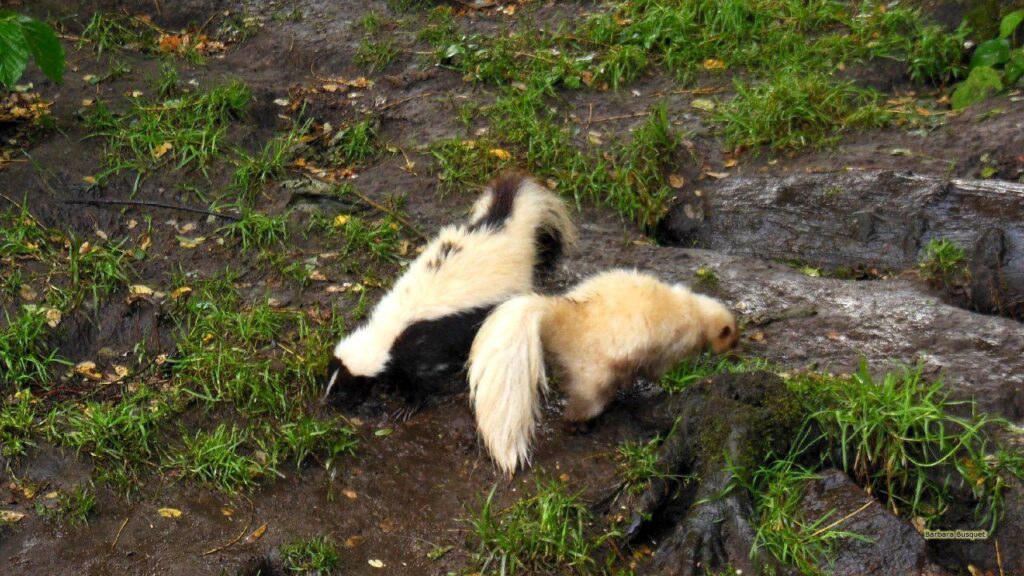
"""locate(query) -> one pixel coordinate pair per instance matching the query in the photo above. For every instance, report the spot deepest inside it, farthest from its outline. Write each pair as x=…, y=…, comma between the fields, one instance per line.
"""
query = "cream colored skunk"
x=611, y=328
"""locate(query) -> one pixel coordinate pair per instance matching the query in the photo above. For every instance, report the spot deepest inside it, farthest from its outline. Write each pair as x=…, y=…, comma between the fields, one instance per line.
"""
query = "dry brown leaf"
x=717, y=175
x=27, y=293
x=353, y=541
x=714, y=64
x=53, y=317
x=375, y=563
x=256, y=534
x=180, y=291
x=350, y=494
x=501, y=154
x=676, y=181
x=317, y=276
x=190, y=243
x=10, y=516
x=730, y=162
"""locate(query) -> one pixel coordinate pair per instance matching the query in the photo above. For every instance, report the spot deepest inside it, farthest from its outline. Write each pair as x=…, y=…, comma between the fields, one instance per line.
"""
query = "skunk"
x=611, y=328
x=418, y=336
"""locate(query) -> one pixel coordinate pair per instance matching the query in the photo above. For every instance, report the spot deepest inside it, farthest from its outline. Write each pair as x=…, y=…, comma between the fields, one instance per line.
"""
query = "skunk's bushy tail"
x=507, y=377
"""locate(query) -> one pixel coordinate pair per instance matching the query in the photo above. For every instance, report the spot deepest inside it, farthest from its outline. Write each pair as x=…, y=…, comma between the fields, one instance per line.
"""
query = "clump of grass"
x=944, y=263
x=371, y=23
x=188, y=130
x=71, y=508
x=898, y=437
x=373, y=55
x=781, y=526
x=256, y=171
x=698, y=368
x=794, y=111
x=465, y=163
x=316, y=556
x=638, y=188
x=106, y=32
x=257, y=230
x=21, y=236
x=216, y=458
x=305, y=436
x=550, y=528
x=440, y=29
x=101, y=269
x=707, y=279
x=639, y=462
x=356, y=144
x=17, y=419
x=24, y=357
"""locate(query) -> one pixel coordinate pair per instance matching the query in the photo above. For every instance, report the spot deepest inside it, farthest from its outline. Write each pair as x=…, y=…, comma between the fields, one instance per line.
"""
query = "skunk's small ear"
x=726, y=332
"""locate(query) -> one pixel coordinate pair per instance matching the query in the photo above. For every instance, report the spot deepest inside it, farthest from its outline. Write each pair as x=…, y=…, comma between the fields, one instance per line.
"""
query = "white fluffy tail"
x=506, y=378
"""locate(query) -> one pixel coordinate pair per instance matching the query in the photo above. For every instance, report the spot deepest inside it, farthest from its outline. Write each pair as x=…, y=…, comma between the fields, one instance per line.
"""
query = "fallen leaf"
x=190, y=243
x=317, y=276
x=85, y=248
x=383, y=432
x=703, y=104
x=758, y=336
x=730, y=162
x=229, y=512
x=120, y=373
x=901, y=152
x=256, y=534
x=90, y=180
x=180, y=291
x=375, y=563
x=53, y=317
x=140, y=290
x=350, y=494
x=717, y=175
x=88, y=370
x=501, y=154
x=162, y=149
x=282, y=101
x=676, y=181
x=714, y=64
x=353, y=541
x=169, y=512
x=27, y=293
x=341, y=219
x=145, y=242
x=10, y=516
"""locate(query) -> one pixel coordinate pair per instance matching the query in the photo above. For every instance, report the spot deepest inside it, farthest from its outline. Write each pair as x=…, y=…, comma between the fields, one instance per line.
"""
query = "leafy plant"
x=22, y=37
x=944, y=262
x=995, y=64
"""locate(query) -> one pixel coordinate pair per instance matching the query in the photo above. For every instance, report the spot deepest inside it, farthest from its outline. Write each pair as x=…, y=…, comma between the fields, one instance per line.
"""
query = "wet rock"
x=983, y=553
x=868, y=220
x=732, y=418
x=895, y=547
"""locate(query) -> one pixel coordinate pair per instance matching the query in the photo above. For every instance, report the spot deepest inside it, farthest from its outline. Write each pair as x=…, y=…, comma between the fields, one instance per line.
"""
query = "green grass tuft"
x=69, y=508
x=316, y=556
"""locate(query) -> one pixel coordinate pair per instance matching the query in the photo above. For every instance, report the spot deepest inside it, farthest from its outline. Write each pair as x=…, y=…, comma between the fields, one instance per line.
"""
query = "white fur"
x=489, y=267
x=609, y=329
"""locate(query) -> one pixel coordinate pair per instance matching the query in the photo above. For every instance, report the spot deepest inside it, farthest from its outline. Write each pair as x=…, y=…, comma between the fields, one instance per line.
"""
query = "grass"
x=17, y=420
x=255, y=171
x=24, y=356
x=374, y=56
x=795, y=110
x=316, y=556
x=698, y=368
x=547, y=533
x=186, y=131
x=356, y=144
x=258, y=231
x=900, y=437
x=69, y=508
x=639, y=462
x=944, y=262
x=106, y=32
x=218, y=459
x=781, y=524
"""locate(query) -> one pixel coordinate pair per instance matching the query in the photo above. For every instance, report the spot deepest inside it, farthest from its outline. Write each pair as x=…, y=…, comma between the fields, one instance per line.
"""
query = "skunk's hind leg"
x=589, y=390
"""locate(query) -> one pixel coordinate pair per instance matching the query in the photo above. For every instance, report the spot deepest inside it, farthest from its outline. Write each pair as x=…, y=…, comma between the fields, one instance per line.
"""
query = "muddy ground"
x=410, y=489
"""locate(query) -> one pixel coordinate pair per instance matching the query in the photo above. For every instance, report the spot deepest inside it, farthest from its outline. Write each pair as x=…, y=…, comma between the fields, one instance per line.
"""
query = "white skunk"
x=599, y=336
x=418, y=336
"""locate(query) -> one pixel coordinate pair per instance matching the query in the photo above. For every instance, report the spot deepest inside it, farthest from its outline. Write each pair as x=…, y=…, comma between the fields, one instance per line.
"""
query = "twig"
x=148, y=203
x=404, y=100
x=620, y=117
x=841, y=520
x=252, y=516
x=999, y=559
x=377, y=206
x=118, y=535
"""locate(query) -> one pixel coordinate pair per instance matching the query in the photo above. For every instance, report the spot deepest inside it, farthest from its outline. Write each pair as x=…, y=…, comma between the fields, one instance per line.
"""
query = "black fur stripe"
x=503, y=197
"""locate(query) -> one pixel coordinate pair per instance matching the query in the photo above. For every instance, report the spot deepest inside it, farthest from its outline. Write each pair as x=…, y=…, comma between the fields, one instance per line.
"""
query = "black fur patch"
x=549, y=250
x=503, y=198
x=348, y=390
x=445, y=250
x=428, y=356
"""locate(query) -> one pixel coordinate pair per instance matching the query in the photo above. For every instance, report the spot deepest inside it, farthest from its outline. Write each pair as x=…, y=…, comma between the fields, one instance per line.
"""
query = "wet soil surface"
x=405, y=494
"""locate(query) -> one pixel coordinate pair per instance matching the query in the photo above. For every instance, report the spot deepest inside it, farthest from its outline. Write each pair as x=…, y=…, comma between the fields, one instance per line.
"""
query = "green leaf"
x=991, y=53
x=45, y=48
x=982, y=83
x=1010, y=23
x=1015, y=67
x=13, y=51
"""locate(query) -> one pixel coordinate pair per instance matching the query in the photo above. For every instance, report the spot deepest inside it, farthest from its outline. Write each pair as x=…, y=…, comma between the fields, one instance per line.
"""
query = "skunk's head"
x=342, y=389
x=720, y=330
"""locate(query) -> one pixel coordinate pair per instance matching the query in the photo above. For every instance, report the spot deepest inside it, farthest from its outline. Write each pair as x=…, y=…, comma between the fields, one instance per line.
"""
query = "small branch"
x=252, y=516
x=118, y=535
x=404, y=100
x=150, y=204
x=620, y=117
x=841, y=520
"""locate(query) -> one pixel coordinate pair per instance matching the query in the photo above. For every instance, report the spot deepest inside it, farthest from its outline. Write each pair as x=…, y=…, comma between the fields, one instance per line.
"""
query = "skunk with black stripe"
x=418, y=336
x=601, y=335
